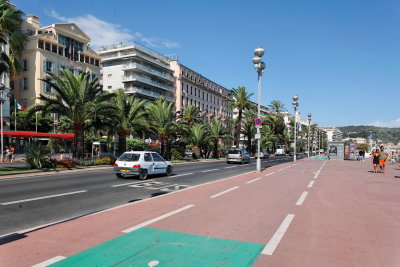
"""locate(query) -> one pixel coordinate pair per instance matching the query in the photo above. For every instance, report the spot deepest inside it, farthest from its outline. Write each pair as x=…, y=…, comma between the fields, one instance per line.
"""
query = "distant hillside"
x=387, y=135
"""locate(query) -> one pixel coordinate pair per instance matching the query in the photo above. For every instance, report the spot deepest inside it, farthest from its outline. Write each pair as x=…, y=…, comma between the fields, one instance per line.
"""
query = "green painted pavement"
x=319, y=158
x=166, y=248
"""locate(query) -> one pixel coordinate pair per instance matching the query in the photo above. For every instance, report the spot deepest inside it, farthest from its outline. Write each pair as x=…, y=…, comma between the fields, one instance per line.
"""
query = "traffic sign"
x=258, y=126
x=258, y=121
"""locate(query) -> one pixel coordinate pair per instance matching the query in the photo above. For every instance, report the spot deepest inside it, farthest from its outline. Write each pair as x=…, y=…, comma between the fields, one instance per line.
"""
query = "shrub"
x=67, y=163
x=38, y=158
x=105, y=161
x=176, y=154
x=135, y=144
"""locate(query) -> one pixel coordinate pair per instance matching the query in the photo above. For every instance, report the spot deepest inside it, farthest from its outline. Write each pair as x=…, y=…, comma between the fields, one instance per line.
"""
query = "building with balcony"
x=138, y=70
x=48, y=50
x=192, y=88
x=333, y=133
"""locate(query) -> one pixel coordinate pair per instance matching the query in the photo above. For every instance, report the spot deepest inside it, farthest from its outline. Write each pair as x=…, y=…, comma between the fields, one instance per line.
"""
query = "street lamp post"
x=260, y=66
x=295, y=105
x=308, y=136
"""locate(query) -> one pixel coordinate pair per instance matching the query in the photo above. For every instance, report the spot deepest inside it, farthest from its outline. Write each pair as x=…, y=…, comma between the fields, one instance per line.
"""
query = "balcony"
x=149, y=93
x=142, y=79
x=141, y=67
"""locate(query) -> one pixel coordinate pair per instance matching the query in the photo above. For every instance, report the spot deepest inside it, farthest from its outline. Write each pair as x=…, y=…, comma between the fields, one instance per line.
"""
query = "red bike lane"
x=264, y=219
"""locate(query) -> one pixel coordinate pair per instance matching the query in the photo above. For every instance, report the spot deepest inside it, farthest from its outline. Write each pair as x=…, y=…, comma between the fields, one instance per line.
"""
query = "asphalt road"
x=29, y=202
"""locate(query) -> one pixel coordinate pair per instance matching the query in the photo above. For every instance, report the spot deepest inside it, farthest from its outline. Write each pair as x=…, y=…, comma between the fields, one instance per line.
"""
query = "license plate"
x=125, y=170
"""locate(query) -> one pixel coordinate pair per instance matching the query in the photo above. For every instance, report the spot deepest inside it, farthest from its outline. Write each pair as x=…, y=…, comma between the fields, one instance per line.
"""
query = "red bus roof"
x=38, y=135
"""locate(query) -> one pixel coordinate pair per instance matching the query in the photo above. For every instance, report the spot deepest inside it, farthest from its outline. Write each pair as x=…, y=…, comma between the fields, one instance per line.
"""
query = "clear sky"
x=341, y=57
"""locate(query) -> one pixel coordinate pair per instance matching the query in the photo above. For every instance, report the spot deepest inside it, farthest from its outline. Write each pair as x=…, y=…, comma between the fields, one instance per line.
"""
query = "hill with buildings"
x=386, y=135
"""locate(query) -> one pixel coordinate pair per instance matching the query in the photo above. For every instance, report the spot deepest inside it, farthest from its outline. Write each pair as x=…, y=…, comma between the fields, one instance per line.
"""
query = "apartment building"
x=192, y=88
x=138, y=70
x=48, y=50
x=333, y=133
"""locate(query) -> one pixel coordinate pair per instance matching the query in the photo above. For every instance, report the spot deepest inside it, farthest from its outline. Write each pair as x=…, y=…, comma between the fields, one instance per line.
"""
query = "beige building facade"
x=191, y=88
x=48, y=50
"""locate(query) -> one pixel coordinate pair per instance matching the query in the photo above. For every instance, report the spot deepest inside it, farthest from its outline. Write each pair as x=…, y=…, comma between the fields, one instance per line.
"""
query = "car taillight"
x=136, y=166
x=240, y=156
x=115, y=165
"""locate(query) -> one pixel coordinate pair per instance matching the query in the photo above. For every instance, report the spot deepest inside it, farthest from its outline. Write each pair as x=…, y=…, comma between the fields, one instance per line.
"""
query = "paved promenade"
x=311, y=213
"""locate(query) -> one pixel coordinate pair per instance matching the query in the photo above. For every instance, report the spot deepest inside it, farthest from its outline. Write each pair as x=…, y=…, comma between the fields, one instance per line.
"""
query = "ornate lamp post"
x=2, y=100
x=308, y=136
x=260, y=66
x=295, y=105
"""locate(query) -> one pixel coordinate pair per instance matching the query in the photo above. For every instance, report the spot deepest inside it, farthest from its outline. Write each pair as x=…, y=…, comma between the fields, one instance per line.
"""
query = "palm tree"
x=187, y=118
x=248, y=127
x=78, y=99
x=277, y=106
x=217, y=132
x=11, y=20
x=162, y=120
x=277, y=125
x=131, y=116
x=240, y=100
x=198, y=138
x=268, y=138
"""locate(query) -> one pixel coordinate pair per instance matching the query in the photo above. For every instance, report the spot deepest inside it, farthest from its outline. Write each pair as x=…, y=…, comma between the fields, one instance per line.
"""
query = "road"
x=29, y=202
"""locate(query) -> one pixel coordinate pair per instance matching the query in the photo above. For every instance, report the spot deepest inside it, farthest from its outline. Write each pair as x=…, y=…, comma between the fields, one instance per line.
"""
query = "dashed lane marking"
x=317, y=174
x=118, y=185
x=38, y=198
x=311, y=184
x=277, y=237
x=210, y=170
x=268, y=174
x=301, y=198
x=249, y=182
x=157, y=219
x=230, y=167
x=183, y=174
x=224, y=192
x=49, y=261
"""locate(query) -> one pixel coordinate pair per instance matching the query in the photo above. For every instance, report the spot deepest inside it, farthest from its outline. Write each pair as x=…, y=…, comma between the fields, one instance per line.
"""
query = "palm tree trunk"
x=79, y=140
x=238, y=127
x=121, y=143
x=215, y=150
x=249, y=148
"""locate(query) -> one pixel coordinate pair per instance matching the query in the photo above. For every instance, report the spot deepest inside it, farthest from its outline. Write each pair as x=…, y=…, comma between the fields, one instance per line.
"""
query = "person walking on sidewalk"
x=12, y=152
x=383, y=157
x=375, y=160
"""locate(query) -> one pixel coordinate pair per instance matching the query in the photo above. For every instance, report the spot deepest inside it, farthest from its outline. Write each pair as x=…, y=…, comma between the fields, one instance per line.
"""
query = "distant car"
x=238, y=155
x=188, y=153
x=291, y=153
x=222, y=153
x=142, y=164
x=280, y=152
x=263, y=154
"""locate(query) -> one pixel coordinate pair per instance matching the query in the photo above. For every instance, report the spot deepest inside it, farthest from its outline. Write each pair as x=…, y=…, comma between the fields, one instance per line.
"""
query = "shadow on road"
x=11, y=238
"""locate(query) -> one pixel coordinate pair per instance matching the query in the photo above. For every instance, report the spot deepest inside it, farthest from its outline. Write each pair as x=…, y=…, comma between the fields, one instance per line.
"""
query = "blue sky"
x=341, y=57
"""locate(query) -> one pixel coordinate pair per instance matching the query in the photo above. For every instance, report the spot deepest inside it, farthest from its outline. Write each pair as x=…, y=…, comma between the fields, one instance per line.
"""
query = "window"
x=182, y=86
x=203, y=95
x=147, y=157
x=46, y=87
x=191, y=90
x=24, y=84
x=30, y=32
x=109, y=87
x=195, y=103
x=109, y=75
x=129, y=157
x=25, y=65
x=48, y=66
x=72, y=70
x=40, y=44
x=61, y=68
x=156, y=157
x=195, y=91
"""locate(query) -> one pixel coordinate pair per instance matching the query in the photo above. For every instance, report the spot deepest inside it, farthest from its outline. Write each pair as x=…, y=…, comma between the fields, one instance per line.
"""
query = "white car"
x=141, y=163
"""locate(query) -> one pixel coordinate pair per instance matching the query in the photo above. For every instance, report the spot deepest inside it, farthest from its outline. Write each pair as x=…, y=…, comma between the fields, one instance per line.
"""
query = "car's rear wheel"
x=143, y=174
x=168, y=171
x=119, y=175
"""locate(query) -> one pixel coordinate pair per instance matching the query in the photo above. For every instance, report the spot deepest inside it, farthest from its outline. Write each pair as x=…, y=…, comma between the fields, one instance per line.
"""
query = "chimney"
x=33, y=20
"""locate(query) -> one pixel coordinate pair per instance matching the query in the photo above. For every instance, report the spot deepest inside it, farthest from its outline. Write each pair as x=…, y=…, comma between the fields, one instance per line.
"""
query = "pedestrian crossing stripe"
x=167, y=248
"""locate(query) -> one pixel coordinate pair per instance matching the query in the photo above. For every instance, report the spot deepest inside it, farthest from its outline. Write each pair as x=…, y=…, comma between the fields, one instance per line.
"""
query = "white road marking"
x=210, y=170
x=153, y=263
x=277, y=237
x=230, y=167
x=311, y=184
x=37, y=198
x=118, y=185
x=157, y=219
x=317, y=174
x=49, y=261
x=223, y=192
x=249, y=182
x=280, y=170
x=183, y=174
x=268, y=174
x=301, y=198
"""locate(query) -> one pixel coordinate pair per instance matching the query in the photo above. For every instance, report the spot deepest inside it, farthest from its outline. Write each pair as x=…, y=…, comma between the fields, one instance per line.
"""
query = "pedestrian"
x=383, y=158
x=393, y=159
x=6, y=152
x=375, y=159
x=12, y=152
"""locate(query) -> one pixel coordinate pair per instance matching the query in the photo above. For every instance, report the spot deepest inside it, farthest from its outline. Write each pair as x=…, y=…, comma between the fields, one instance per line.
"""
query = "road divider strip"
x=38, y=198
x=301, y=198
x=49, y=261
x=131, y=229
x=277, y=237
x=224, y=192
x=311, y=184
x=249, y=182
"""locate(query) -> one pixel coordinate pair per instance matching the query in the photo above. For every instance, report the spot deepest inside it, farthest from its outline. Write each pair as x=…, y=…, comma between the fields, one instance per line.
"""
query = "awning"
x=37, y=135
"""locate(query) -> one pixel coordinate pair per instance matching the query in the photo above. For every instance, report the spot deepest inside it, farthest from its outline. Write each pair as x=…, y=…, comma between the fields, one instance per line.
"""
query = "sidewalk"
x=311, y=213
